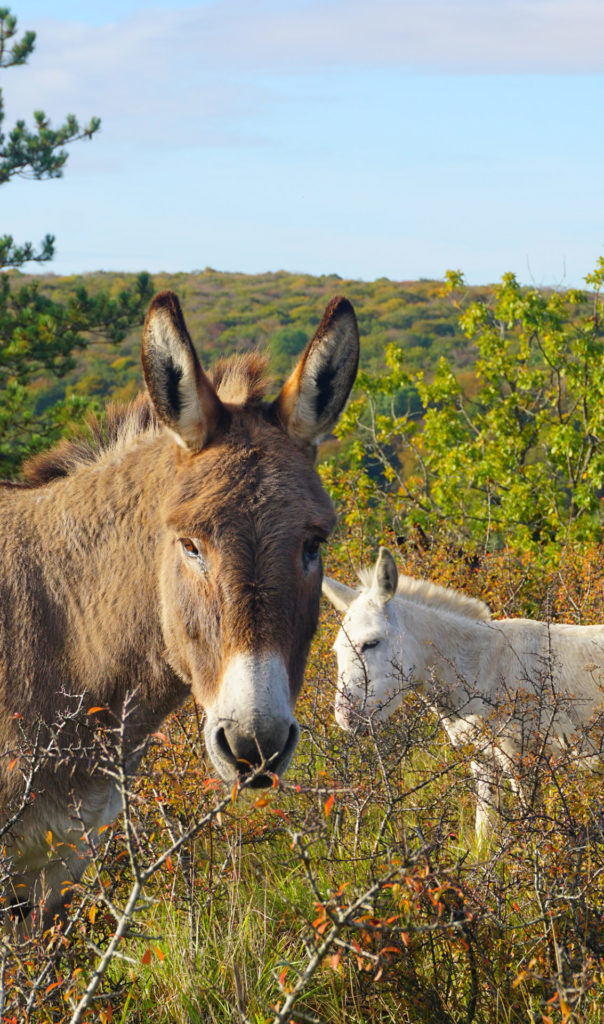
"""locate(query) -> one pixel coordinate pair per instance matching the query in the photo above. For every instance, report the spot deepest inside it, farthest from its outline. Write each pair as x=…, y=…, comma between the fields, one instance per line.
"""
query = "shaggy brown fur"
x=135, y=570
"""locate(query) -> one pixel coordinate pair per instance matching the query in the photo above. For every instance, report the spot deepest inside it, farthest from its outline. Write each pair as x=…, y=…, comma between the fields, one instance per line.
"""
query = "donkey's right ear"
x=385, y=577
x=340, y=596
x=183, y=397
x=316, y=392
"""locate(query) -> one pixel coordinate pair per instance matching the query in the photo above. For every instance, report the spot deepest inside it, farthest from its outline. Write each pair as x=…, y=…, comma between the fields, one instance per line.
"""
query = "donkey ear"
x=385, y=577
x=316, y=392
x=182, y=395
x=340, y=596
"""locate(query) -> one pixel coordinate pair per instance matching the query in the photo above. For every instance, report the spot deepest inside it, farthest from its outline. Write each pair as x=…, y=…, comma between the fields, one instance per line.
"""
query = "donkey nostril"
x=243, y=752
x=223, y=745
x=246, y=754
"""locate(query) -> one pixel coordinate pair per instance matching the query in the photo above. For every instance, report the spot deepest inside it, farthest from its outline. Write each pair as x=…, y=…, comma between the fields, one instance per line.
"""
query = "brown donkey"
x=176, y=552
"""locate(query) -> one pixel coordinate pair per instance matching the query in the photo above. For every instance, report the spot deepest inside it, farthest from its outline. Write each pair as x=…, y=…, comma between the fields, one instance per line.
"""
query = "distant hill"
x=277, y=312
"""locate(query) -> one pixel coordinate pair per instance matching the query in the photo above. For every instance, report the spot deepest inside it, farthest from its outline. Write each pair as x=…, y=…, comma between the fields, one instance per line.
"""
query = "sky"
x=383, y=138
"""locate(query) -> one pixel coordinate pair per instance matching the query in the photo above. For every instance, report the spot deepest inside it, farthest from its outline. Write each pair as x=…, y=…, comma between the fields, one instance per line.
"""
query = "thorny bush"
x=354, y=889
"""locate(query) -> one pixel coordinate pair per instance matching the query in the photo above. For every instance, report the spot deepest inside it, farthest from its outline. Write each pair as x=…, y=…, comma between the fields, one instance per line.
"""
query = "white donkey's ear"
x=385, y=577
x=316, y=392
x=340, y=596
x=183, y=397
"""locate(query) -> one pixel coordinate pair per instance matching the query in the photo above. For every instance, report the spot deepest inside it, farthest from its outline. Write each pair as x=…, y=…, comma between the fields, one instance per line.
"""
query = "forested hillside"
x=277, y=312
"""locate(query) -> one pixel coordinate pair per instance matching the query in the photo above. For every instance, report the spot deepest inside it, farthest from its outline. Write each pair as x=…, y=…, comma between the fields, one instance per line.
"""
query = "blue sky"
x=395, y=138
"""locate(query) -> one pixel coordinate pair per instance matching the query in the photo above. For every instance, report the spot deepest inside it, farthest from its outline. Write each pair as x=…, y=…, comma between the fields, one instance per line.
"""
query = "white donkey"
x=508, y=687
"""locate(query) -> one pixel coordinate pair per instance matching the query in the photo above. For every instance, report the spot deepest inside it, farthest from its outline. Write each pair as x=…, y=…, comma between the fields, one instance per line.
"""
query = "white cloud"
x=201, y=60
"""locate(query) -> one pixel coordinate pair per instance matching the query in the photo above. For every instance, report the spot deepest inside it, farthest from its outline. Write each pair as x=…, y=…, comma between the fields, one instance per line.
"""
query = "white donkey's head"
x=368, y=645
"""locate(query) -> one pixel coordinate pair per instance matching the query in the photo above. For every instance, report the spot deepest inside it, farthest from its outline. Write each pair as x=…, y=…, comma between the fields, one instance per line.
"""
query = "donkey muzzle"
x=251, y=729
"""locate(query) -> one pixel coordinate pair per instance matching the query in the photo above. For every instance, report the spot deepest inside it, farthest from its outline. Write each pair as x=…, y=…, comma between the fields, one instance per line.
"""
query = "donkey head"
x=367, y=646
x=243, y=518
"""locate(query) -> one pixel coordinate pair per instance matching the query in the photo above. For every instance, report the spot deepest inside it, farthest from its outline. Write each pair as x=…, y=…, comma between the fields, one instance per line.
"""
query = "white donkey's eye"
x=368, y=645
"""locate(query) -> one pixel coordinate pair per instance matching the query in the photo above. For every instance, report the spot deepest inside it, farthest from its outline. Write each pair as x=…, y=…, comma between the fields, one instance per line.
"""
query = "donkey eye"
x=368, y=645
x=192, y=551
x=310, y=552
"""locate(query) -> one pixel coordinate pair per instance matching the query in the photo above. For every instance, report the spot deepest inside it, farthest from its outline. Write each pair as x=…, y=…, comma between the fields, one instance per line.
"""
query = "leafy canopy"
x=513, y=454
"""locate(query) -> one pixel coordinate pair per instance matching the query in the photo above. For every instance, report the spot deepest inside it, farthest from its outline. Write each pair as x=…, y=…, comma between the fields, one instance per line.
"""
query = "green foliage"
x=512, y=454
x=284, y=346
x=38, y=334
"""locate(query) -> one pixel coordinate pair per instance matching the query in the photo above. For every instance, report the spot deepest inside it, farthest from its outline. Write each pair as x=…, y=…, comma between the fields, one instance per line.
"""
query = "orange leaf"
x=334, y=961
x=275, y=810
x=169, y=863
x=328, y=805
x=405, y=938
x=160, y=953
x=261, y=802
x=92, y=711
x=54, y=985
x=146, y=959
x=13, y=763
x=282, y=977
x=234, y=792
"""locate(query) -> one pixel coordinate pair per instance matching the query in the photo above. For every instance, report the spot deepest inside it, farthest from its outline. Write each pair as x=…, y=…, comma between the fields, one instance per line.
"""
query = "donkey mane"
x=434, y=596
x=240, y=380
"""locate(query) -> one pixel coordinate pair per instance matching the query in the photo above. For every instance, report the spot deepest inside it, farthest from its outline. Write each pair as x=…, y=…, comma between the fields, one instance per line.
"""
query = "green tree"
x=38, y=335
x=285, y=344
x=517, y=458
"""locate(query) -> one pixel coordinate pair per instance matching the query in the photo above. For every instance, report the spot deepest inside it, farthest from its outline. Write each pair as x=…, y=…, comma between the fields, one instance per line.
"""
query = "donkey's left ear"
x=316, y=392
